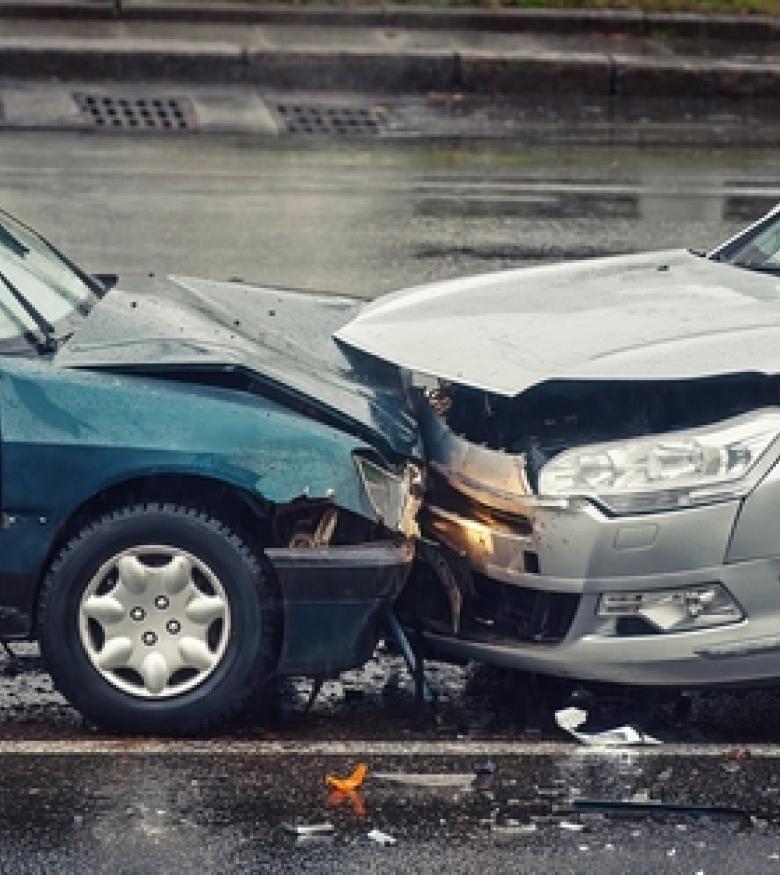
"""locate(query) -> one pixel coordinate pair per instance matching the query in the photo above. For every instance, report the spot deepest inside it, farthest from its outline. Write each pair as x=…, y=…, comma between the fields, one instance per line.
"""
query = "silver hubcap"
x=154, y=621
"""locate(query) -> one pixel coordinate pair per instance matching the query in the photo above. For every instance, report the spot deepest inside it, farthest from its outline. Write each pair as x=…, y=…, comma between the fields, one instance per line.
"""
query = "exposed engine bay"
x=560, y=414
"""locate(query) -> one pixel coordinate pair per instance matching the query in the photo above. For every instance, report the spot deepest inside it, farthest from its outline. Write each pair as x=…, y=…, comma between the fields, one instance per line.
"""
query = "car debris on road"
x=381, y=838
x=351, y=782
x=309, y=830
x=570, y=719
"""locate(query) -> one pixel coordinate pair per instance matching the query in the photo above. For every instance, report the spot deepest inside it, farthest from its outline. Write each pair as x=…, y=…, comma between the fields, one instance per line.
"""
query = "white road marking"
x=152, y=746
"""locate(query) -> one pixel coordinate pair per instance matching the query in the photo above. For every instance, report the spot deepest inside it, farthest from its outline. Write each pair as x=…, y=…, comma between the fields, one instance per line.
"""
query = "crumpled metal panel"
x=68, y=435
x=283, y=337
x=663, y=315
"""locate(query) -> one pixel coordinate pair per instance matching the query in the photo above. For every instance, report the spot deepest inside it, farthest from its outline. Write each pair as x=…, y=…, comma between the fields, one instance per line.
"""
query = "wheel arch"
x=247, y=513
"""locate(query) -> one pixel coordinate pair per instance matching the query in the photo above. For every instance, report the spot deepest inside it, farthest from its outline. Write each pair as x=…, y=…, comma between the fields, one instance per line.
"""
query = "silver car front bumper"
x=577, y=550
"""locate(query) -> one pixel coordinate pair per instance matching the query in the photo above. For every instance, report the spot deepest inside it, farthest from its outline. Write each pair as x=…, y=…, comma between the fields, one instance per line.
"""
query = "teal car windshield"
x=40, y=290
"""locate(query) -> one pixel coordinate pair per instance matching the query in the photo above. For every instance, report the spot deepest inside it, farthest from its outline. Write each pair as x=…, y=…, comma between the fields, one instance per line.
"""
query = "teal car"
x=200, y=489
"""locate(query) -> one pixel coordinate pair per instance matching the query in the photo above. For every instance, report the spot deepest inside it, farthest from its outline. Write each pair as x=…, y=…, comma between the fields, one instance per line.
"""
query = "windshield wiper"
x=43, y=325
x=10, y=242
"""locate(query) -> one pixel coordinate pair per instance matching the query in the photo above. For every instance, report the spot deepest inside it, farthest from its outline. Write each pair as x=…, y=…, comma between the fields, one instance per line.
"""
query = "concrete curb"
x=522, y=73
x=557, y=21
x=539, y=72
x=639, y=77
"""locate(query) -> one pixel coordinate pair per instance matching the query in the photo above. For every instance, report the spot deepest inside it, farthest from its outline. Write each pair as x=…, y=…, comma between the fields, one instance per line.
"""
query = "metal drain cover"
x=329, y=119
x=136, y=112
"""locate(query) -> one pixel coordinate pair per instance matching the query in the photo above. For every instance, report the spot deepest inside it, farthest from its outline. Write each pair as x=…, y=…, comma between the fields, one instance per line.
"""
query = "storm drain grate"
x=343, y=121
x=130, y=112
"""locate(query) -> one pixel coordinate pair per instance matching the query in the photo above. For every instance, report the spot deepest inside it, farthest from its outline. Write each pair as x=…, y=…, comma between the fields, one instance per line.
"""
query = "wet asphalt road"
x=366, y=220
x=223, y=809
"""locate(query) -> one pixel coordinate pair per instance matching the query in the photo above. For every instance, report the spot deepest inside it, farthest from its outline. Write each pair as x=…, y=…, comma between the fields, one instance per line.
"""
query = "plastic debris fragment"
x=571, y=826
x=310, y=829
x=381, y=838
x=351, y=782
x=569, y=719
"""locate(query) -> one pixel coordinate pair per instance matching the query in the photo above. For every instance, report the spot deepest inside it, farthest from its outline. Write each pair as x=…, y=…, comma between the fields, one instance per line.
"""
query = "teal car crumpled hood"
x=283, y=338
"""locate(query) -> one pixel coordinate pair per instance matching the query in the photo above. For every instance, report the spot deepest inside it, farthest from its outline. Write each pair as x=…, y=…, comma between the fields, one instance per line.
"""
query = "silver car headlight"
x=665, y=471
x=396, y=498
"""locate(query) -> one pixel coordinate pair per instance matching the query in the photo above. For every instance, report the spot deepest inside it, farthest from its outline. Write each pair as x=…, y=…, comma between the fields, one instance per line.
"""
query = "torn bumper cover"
x=560, y=623
x=333, y=599
x=682, y=597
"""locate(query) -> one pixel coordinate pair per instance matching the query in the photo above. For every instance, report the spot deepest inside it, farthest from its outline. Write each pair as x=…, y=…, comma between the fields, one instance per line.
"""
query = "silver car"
x=602, y=442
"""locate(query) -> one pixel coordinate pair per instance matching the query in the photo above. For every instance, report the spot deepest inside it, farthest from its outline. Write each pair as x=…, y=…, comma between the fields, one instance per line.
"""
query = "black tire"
x=250, y=652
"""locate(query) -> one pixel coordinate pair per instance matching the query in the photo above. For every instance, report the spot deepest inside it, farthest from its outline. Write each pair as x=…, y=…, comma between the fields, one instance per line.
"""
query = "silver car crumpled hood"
x=664, y=315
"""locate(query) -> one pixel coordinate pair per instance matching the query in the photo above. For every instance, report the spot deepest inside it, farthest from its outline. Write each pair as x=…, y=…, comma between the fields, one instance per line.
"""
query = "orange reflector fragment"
x=351, y=782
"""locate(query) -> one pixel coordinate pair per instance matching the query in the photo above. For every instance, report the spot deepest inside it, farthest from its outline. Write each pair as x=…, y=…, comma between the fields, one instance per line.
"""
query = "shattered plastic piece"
x=570, y=718
x=351, y=782
x=310, y=829
x=381, y=838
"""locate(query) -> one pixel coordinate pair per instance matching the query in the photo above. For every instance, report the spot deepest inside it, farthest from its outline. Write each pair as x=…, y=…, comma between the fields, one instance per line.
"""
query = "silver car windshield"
x=40, y=290
x=756, y=249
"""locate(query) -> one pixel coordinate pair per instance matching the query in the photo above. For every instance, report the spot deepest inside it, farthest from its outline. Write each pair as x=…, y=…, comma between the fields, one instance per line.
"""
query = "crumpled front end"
x=338, y=572
x=255, y=392
x=565, y=585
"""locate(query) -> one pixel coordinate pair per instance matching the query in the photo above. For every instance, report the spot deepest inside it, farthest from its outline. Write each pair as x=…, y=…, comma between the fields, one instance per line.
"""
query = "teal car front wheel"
x=159, y=618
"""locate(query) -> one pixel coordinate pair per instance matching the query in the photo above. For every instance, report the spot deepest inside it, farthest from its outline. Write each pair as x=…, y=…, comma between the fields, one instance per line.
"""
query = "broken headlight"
x=674, y=610
x=665, y=471
x=396, y=498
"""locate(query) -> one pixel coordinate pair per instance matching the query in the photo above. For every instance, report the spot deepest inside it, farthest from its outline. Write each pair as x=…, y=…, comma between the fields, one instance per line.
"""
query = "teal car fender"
x=69, y=434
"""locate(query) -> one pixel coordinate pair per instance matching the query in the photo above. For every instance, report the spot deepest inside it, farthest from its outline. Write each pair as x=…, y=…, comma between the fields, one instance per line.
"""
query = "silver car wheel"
x=154, y=621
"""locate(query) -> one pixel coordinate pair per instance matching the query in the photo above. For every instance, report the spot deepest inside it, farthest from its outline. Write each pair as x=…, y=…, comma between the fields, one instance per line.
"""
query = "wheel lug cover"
x=150, y=611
